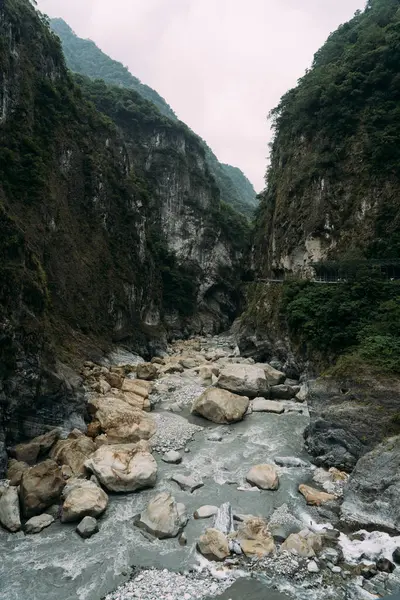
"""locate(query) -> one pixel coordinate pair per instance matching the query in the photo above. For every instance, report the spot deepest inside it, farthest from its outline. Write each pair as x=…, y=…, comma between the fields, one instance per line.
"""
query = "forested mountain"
x=333, y=195
x=84, y=57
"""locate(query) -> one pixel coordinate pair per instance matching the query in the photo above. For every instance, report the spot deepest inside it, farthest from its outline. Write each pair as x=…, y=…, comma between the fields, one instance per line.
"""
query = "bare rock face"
x=248, y=380
x=73, y=452
x=82, y=498
x=213, y=545
x=87, y=527
x=9, y=509
x=41, y=486
x=263, y=476
x=205, y=512
x=124, y=467
x=29, y=452
x=315, y=497
x=121, y=422
x=163, y=517
x=221, y=406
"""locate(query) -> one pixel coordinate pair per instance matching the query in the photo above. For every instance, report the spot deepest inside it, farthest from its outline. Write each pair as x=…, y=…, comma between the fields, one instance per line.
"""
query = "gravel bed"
x=173, y=432
x=165, y=585
x=185, y=392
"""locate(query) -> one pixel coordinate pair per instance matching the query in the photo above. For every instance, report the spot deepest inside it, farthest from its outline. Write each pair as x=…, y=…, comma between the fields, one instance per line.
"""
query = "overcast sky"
x=220, y=64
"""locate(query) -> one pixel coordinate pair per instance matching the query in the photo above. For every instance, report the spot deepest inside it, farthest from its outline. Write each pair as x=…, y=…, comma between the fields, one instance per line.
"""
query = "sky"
x=222, y=65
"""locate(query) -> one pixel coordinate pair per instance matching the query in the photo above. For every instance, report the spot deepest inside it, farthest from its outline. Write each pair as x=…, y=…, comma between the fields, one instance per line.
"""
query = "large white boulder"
x=248, y=380
x=263, y=476
x=124, y=467
x=82, y=498
x=163, y=517
x=214, y=545
x=220, y=406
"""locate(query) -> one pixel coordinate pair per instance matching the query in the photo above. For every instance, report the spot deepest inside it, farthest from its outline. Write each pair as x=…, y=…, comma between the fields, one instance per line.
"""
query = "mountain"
x=84, y=57
x=112, y=228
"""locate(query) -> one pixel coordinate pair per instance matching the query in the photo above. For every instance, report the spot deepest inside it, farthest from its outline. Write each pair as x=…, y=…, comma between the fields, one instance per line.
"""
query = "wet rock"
x=304, y=546
x=283, y=392
x=73, y=452
x=205, y=512
x=124, y=467
x=9, y=509
x=224, y=519
x=147, y=371
x=255, y=539
x=87, y=527
x=41, y=486
x=37, y=524
x=172, y=457
x=396, y=556
x=121, y=422
x=268, y=406
x=282, y=523
x=264, y=477
x=182, y=540
x=385, y=565
x=291, y=462
x=315, y=497
x=213, y=545
x=214, y=437
x=163, y=517
x=247, y=380
x=29, y=452
x=312, y=567
x=274, y=377
x=221, y=406
x=332, y=445
x=82, y=498
x=15, y=471
x=371, y=495
x=187, y=483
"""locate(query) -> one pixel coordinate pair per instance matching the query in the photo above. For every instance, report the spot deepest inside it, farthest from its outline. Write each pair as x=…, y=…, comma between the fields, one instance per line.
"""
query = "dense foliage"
x=84, y=57
x=358, y=320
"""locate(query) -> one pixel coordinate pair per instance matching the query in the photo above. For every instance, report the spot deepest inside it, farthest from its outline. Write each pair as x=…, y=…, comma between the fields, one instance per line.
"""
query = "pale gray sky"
x=220, y=64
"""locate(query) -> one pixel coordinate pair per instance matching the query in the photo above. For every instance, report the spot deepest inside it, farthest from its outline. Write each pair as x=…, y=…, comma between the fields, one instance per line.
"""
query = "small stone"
x=312, y=567
x=187, y=483
x=205, y=512
x=87, y=527
x=172, y=457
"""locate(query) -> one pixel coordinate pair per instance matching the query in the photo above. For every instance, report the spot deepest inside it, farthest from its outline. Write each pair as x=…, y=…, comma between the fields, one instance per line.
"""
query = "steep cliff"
x=112, y=227
x=334, y=176
x=84, y=57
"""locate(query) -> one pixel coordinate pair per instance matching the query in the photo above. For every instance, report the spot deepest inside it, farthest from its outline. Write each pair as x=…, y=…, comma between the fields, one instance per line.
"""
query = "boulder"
x=115, y=380
x=269, y=406
x=82, y=498
x=41, y=486
x=274, y=377
x=163, y=517
x=213, y=545
x=371, y=497
x=315, y=497
x=283, y=392
x=87, y=527
x=73, y=452
x=172, y=457
x=102, y=386
x=282, y=523
x=137, y=386
x=37, y=524
x=255, y=538
x=263, y=476
x=147, y=371
x=221, y=406
x=247, y=380
x=189, y=363
x=124, y=467
x=15, y=470
x=291, y=462
x=205, y=512
x=121, y=422
x=305, y=546
x=187, y=483
x=333, y=445
x=29, y=452
x=9, y=509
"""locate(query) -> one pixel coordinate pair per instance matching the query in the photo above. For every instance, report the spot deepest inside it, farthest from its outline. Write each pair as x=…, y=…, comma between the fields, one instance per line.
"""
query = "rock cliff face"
x=112, y=227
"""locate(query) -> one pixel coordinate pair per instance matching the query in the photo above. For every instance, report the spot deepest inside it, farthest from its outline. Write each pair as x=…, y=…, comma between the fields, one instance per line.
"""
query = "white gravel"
x=173, y=432
x=165, y=585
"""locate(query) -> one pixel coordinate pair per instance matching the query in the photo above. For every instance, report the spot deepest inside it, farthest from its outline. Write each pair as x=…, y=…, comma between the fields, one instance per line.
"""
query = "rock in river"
x=248, y=380
x=315, y=497
x=254, y=538
x=41, y=486
x=213, y=545
x=205, y=512
x=372, y=493
x=87, y=527
x=82, y=498
x=9, y=509
x=187, y=483
x=37, y=524
x=163, y=517
x=221, y=406
x=263, y=476
x=124, y=467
